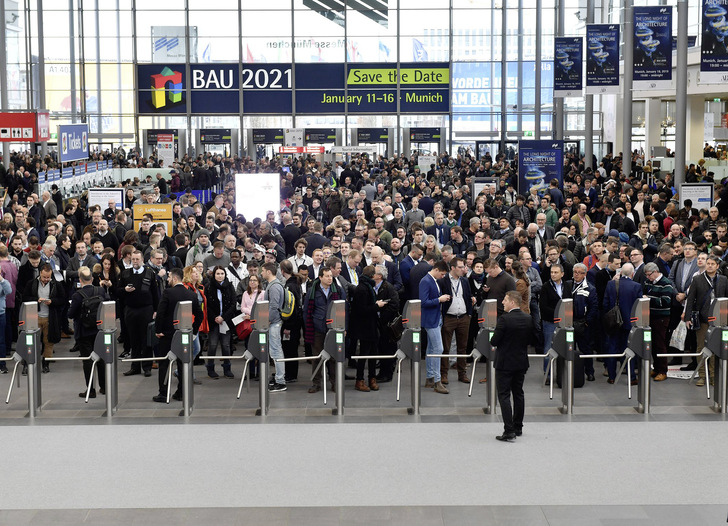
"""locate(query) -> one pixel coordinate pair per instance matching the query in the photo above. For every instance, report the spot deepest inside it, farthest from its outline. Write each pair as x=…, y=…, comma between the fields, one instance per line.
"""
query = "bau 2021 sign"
x=273, y=88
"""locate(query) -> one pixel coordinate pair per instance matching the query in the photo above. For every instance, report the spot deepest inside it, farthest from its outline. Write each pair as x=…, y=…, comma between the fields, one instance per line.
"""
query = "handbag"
x=395, y=328
x=244, y=329
x=613, y=318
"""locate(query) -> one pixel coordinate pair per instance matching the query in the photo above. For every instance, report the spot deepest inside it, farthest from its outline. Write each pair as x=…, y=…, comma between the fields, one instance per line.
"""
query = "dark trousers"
x=85, y=347
x=659, y=328
x=290, y=350
x=386, y=367
x=137, y=321
x=617, y=344
x=318, y=346
x=582, y=335
x=366, y=348
x=461, y=328
x=163, y=347
x=511, y=383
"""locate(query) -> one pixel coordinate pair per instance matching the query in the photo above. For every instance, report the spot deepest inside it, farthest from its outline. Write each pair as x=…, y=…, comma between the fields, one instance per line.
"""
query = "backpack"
x=90, y=309
x=288, y=308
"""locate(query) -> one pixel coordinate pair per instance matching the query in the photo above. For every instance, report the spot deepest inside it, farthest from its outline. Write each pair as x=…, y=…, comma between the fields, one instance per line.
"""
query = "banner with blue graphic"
x=602, y=59
x=652, y=47
x=538, y=163
x=568, y=58
x=714, y=46
x=72, y=142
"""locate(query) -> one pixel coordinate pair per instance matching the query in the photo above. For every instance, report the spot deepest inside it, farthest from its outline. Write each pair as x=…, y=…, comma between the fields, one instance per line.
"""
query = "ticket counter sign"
x=161, y=213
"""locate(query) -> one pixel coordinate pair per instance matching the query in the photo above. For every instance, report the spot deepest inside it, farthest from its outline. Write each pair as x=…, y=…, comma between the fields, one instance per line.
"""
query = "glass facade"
x=88, y=50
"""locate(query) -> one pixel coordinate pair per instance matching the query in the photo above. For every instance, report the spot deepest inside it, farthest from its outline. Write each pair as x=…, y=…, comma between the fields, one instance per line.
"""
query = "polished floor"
x=605, y=464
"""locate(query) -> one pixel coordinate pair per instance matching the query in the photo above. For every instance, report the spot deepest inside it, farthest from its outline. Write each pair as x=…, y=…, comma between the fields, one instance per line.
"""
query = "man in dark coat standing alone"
x=513, y=333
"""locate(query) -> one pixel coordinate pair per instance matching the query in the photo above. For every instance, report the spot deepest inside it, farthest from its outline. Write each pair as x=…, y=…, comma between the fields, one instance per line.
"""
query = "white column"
x=694, y=128
x=653, y=117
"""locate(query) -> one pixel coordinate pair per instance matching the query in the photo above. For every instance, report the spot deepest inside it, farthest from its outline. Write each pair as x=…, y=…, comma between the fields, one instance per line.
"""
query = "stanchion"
x=487, y=319
x=410, y=347
x=639, y=343
x=258, y=349
x=105, y=351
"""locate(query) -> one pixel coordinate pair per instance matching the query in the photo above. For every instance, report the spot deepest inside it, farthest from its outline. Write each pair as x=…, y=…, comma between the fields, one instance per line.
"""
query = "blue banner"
x=653, y=46
x=568, y=57
x=72, y=142
x=538, y=163
x=602, y=62
x=714, y=46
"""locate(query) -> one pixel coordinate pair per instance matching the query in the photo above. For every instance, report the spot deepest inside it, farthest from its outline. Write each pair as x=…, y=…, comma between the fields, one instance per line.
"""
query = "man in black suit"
x=164, y=326
x=513, y=333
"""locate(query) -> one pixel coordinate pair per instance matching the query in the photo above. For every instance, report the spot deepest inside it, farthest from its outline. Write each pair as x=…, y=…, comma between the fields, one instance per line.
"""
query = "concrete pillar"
x=695, y=128
x=653, y=130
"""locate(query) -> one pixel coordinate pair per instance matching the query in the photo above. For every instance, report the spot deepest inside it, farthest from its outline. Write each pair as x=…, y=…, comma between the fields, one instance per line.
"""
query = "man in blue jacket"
x=629, y=291
x=431, y=297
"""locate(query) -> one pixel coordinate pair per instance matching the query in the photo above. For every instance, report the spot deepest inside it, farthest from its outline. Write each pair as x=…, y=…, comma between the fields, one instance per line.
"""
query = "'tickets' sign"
x=73, y=140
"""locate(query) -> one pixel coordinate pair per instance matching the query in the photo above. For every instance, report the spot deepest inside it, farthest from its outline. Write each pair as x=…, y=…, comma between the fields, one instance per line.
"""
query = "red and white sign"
x=165, y=148
x=28, y=126
x=43, y=126
x=301, y=149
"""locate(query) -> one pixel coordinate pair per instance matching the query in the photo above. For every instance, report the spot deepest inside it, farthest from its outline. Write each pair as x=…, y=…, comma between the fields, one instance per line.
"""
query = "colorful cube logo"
x=160, y=83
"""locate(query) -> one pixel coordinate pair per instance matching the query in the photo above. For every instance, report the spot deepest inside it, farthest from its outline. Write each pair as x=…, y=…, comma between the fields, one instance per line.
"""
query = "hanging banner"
x=568, y=57
x=165, y=149
x=714, y=46
x=538, y=163
x=602, y=59
x=652, y=47
x=73, y=139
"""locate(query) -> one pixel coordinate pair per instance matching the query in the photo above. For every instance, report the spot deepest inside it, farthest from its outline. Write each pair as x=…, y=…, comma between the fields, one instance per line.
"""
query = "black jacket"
x=74, y=312
x=229, y=302
x=699, y=295
x=164, y=322
x=363, y=320
x=512, y=336
x=57, y=297
x=550, y=298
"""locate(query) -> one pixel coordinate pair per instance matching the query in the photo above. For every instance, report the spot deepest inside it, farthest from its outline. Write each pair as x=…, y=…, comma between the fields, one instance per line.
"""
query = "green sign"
x=54, y=136
x=528, y=134
x=261, y=338
x=416, y=337
x=648, y=336
x=107, y=339
x=717, y=99
x=28, y=339
x=570, y=337
x=185, y=339
x=339, y=338
x=725, y=336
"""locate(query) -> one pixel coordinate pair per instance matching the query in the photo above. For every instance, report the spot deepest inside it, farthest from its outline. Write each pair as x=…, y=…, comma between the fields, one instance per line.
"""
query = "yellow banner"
x=162, y=213
x=408, y=76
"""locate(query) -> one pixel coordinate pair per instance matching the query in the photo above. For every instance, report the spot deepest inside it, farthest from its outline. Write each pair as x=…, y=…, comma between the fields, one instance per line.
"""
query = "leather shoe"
x=439, y=388
x=373, y=385
x=518, y=433
x=610, y=381
x=383, y=379
x=314, y=388
x=160, y=398
x=92, y=394
x=590, y=378
x=147, y=374
x=429, y=383
x=177, y=396
x=464, y=379
x=506, y=437
x=634, y=382
x=361, y=386
x=689, y=367
x=444, y=380
x=653, y=374
x=660, y=377
x=131, y=372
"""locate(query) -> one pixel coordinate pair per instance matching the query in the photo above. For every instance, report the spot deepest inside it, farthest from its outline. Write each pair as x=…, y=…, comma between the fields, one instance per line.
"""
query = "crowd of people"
x=375, y=232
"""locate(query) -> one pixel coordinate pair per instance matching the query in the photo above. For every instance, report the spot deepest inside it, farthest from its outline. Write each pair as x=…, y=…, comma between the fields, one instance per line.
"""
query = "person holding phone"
x=431, y=298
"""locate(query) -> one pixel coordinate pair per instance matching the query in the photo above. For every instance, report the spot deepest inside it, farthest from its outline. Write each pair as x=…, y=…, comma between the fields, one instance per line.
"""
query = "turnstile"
x=639, y=344
x=183, y=348
x=716, y=344
x=258, y=349
x=105, y=352
x=563, y=345
x=409, y=347
x=487, y=318
x=27, y=351
x=334, y=349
